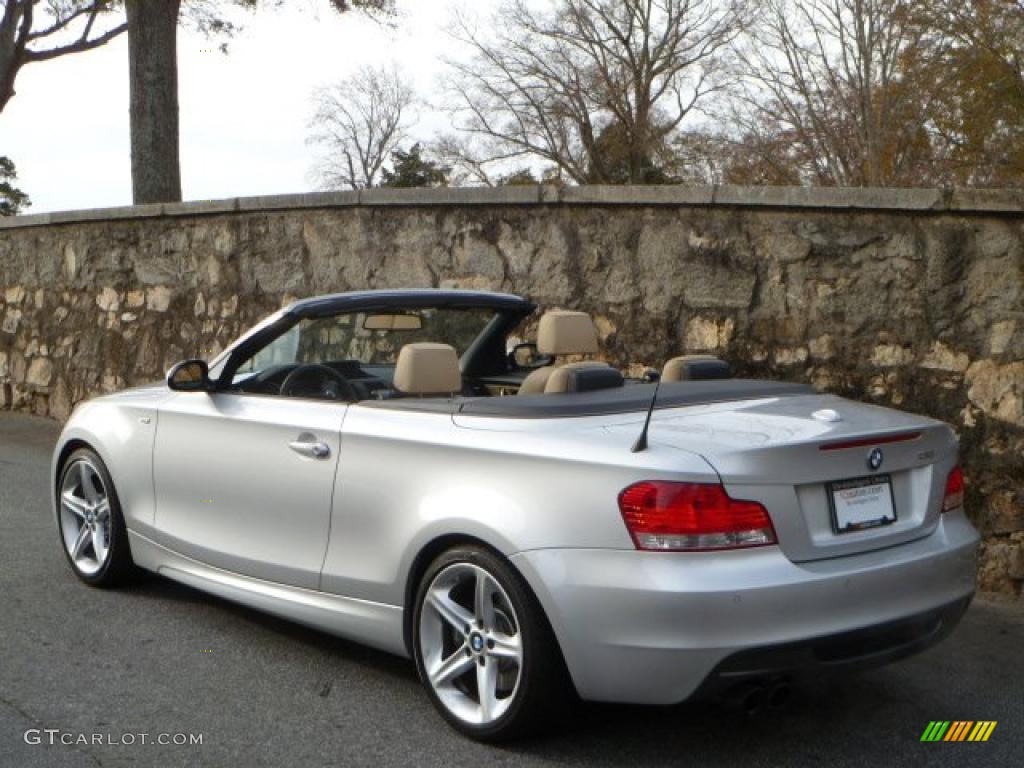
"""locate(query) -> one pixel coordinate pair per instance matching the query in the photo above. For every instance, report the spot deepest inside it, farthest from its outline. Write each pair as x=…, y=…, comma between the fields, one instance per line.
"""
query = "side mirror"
x=190, y=376
x=526, y=356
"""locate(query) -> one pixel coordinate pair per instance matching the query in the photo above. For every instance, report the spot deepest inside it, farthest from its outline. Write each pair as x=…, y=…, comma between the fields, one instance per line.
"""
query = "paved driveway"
x=163, y=659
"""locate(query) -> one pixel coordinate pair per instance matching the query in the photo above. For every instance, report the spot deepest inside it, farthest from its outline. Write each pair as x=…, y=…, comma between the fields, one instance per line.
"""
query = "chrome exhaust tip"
x=754, y=700
x=750, y=697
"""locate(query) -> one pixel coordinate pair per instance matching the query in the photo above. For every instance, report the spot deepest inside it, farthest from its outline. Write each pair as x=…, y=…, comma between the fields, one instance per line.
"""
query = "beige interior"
x=534, y=383
x=424, y=368
x=675, y=369
x=399, y=322
x=562, y=332
x=558, y=381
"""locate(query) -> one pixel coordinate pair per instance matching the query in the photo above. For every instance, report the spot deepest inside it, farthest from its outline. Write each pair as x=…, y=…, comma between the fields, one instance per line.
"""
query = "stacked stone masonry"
x=913, y=299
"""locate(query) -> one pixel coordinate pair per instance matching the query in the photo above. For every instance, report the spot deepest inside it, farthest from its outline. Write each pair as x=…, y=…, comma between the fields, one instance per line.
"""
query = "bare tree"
x=153, y=80
x=594, y=87
x=469, y=163
x=840, y=83
x=469, y=168
x=358, y=123
x=33, y=31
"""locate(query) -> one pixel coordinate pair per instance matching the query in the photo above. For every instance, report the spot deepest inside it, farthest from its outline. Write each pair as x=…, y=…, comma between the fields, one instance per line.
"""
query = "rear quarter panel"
x=407, y=478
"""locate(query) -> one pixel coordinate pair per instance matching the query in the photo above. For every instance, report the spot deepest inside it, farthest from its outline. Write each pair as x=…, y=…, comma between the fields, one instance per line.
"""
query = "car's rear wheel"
x=91, y=525
x=483, y=647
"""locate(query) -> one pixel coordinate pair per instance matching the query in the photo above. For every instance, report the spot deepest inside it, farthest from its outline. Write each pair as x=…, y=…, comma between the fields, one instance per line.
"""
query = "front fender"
x=122, y=436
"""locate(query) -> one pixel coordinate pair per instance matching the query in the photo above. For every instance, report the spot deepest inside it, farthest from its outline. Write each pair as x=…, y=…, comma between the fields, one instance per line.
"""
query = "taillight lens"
x=954, y=496
x=668, y=516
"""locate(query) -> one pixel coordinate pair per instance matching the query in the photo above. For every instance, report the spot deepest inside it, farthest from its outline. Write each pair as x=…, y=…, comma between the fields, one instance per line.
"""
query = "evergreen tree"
x=411, y=169
x=12, y=199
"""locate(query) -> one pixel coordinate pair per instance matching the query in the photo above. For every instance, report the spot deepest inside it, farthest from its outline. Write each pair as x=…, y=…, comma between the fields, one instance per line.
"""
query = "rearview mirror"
x=190, y=376
x=393, y=323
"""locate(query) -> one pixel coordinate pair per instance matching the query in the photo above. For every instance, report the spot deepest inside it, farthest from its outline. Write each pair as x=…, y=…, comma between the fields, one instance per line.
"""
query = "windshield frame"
x=509, y=312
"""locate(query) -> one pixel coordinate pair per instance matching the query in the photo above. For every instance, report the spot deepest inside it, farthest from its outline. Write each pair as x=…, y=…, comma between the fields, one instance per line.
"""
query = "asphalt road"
x=160, y=658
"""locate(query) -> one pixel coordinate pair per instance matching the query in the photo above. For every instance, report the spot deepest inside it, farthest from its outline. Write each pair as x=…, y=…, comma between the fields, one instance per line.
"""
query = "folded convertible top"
x=633, y=398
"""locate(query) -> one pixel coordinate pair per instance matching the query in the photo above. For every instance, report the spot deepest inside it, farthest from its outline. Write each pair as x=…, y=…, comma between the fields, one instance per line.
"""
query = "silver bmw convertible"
x=414, y=471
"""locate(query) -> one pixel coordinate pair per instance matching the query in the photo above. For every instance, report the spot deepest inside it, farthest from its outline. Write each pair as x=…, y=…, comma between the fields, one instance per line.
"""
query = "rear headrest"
x=583, y=377
x=427, y=369
x=695, y=368
x=562, y=332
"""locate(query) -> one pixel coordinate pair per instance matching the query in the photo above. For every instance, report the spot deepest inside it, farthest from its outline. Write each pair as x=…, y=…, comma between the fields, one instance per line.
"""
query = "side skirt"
x=375, y=624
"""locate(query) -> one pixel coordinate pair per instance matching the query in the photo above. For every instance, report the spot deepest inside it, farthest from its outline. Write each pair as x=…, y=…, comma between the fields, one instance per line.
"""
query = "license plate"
x=860, y=503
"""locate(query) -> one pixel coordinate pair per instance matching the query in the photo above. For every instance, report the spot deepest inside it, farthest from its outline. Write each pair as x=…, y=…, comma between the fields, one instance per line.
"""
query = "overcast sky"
x=243, y=116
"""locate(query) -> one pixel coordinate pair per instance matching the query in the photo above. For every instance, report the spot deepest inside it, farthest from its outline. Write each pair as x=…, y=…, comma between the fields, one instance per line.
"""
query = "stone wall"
x=911, y=299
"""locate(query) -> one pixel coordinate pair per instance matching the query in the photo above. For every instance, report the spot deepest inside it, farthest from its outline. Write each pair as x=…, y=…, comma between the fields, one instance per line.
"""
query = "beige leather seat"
x=425, y=369
x=561, y=332
x=684, y=367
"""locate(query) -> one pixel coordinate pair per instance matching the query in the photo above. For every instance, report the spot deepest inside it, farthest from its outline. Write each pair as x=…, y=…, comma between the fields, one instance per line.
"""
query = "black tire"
x=118, y=569
x=543, y=692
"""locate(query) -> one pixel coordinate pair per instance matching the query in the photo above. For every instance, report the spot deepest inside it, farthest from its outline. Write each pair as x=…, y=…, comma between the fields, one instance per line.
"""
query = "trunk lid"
x=778, y=452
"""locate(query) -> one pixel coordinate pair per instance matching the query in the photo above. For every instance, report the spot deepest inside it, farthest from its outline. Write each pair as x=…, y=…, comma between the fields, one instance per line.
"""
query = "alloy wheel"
x=470, y=643
x=85, y=516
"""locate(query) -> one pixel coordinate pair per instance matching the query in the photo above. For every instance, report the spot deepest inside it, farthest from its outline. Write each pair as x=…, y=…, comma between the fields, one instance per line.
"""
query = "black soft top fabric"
x=633, y=398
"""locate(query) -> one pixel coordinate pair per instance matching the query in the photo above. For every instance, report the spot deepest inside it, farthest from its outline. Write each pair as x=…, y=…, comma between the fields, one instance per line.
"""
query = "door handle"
x=309, y=446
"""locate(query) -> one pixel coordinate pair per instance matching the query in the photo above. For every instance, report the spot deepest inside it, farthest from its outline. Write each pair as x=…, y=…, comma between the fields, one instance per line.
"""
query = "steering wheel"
x=315, y=380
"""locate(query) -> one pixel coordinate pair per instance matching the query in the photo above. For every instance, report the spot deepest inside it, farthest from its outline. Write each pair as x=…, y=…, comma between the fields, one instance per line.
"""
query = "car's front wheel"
x=483, y=647
x=91, y=525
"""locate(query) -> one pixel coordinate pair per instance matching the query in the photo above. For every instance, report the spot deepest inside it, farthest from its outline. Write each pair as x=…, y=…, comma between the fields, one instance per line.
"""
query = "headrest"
x=427, y=369
x=562, y=332
x=695, y=368
x=583, y=377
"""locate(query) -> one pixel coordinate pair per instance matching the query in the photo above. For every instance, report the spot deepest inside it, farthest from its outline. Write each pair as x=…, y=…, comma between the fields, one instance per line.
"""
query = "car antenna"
x=641, y=442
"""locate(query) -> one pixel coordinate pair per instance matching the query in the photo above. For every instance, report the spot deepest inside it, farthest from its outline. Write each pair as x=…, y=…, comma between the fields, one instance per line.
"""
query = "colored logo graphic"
x=958, y=730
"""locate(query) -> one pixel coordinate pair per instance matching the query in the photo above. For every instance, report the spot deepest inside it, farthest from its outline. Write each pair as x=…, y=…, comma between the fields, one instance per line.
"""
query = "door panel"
x=244, y=482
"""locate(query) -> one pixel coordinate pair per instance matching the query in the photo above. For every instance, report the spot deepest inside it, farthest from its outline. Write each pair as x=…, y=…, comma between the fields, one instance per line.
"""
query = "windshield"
x=367, y=338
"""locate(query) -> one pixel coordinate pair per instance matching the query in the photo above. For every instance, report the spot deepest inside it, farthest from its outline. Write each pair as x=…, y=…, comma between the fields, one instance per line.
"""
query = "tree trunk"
x=153, y=102
x=15, y=25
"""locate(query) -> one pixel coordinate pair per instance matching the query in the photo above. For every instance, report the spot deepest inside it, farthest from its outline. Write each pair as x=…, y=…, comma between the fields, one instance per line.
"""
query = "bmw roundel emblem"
x=875, y=458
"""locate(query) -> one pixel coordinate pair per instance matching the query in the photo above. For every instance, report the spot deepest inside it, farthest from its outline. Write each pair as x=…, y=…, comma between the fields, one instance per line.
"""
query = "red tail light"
x=668, y=516
x=954, y=496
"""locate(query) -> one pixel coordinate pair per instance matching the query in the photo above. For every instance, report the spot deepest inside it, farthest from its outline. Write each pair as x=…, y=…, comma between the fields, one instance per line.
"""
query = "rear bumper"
x=653, y=628
x=856, y=649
